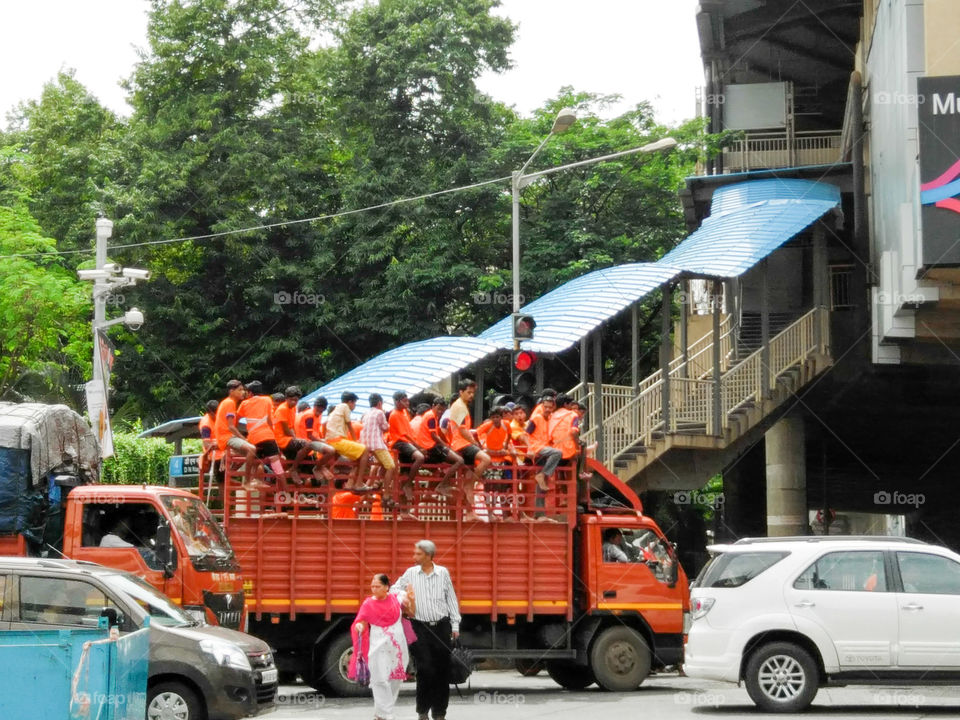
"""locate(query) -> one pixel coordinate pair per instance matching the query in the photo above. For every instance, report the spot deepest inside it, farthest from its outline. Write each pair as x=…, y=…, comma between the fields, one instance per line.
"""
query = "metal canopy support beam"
x=765, y=379
x=634, y=349
x=584, y=377
x=684, y=321
x=478, y=413
x=598, y=389
x=819, y=275
x=717, y=378
x=538, y=374
x=665, y=356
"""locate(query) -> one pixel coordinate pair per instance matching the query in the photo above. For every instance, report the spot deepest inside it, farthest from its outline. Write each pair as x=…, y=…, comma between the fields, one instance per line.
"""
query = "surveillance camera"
x=93, y=274
x=136, y=274
x=133, y=319
x=110, y=267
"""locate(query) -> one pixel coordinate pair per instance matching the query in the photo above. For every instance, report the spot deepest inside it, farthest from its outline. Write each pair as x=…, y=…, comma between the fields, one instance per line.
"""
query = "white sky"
x=640, y=49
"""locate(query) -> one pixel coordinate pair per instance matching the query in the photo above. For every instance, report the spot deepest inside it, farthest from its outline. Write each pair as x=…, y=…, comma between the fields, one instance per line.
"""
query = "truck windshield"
x=199, y=530
x=159, y=607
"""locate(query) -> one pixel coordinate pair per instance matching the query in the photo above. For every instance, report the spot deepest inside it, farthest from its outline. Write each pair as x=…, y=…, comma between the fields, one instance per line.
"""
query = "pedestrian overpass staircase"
x=709, y=422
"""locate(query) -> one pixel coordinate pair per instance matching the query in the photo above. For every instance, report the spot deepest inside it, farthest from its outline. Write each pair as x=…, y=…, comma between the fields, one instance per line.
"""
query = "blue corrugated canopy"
x=412, y=368
x=571, y=311
x=747, y=222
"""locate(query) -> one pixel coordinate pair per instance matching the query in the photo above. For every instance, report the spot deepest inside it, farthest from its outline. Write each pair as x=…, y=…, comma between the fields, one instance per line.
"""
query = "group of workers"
x=314, y=438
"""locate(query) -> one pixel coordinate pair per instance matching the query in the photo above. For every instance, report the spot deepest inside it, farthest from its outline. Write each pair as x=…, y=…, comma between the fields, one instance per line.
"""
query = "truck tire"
x=172, y=699
x=782, y=678
x=620, y=659
x=332, y=673
x=569, y=676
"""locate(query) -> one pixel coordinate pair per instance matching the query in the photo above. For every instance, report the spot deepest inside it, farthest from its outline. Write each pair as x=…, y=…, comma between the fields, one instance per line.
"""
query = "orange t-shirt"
x=343, y=505
x=562, y=437
x=288, y=414
x=428, y=422
x=300, y=424
x=492, y=437
x=400, y=430
x=539, y=434
x=257, y=410
x=226, y=408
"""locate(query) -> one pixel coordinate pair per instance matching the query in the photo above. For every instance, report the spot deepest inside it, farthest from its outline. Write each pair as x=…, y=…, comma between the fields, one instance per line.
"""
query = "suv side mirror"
x=114, y=617
x=165, y=550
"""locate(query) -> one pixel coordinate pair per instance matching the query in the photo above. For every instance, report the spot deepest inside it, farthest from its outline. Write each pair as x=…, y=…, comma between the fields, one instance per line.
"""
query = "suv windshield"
x=733, y=569
x=198, y=529
x=160, y=609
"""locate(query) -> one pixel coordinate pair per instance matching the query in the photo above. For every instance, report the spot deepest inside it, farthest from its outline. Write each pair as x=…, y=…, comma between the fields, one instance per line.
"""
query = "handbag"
x=461, y=664
x=362, y=672
x=408, y=632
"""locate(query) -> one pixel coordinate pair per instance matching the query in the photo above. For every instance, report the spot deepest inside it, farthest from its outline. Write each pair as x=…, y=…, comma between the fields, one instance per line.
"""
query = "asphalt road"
x=506, y=695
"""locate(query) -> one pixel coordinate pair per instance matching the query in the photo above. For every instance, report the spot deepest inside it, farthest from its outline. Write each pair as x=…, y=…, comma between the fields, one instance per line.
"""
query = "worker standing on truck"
x=207, y=422
x=436, y=623
x=229, y=435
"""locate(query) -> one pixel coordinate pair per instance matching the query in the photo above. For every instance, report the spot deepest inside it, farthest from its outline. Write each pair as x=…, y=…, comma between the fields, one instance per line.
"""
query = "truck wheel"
x=288, y=677
x=174, y=701
x=782, y=677
x=332, y=674
x=528, y=667
x=620, y=659
x=569, y=676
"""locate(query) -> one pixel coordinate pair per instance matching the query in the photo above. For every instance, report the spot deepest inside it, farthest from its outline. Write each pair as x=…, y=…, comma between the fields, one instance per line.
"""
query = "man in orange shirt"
x=258, y=411
x=540, y=452
x=435, y=450
x=228, y=433
x=209, y=455
x=310, y=421
x=294, y=448
x=564, y=428
x=403, y=442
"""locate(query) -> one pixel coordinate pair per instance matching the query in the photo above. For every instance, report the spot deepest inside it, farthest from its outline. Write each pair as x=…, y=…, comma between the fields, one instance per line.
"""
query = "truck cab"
x=164, y=535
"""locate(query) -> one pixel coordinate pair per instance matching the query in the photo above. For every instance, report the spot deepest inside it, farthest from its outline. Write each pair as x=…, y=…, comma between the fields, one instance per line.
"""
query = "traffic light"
x=524, y=375
x=523, y=326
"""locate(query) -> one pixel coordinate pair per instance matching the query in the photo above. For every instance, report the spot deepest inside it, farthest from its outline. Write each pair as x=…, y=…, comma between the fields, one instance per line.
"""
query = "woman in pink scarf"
x=378, y=637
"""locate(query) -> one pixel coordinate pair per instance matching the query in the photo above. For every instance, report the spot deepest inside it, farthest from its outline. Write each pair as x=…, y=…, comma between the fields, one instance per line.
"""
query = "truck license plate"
x=269, y=676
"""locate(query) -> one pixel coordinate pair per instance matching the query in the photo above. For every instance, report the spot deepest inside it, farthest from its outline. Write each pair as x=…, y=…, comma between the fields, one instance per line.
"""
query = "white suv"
x=787, y=615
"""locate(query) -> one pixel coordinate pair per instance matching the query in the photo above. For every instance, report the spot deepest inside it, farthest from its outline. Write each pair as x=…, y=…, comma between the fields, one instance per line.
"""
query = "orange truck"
x=540, y=593
x=50, y=506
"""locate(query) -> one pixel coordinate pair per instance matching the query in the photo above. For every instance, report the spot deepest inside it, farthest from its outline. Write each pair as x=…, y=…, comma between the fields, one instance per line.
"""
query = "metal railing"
x=633, y=423
x=759, y=150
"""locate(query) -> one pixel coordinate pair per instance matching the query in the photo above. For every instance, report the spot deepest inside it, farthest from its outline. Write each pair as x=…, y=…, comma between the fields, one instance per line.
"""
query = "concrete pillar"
x=786, y=478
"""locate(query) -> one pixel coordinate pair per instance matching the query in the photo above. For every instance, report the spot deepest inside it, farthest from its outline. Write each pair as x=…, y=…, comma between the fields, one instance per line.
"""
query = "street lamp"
x=565, y=118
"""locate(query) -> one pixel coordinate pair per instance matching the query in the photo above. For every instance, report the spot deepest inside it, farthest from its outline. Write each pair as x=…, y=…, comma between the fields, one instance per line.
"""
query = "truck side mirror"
x=114, y=617
x=164, y=550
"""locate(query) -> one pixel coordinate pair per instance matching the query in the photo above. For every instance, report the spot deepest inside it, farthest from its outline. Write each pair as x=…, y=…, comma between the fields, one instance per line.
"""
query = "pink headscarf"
x=382, y=613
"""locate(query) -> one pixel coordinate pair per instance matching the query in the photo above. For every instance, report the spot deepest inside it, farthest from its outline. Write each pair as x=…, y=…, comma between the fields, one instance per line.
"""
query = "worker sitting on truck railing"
x=431, y=439
x=373, y=437
x=540, y=451
x=295, y=449
x=258, y=410
x=462, y=442
x=341, y=437
x=229, y=435
x=403, y=442
x=494, y=436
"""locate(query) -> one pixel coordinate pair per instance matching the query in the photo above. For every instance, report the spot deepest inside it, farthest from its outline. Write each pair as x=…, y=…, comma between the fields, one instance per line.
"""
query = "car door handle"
x=609, y=593
x=913, y=606
x=805, y=604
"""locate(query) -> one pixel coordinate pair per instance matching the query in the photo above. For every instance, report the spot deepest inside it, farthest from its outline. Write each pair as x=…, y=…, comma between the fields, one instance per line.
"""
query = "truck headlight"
x=226, y=654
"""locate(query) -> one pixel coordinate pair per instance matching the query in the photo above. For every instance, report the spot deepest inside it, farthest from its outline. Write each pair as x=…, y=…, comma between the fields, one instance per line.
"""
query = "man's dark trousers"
x=431, y=653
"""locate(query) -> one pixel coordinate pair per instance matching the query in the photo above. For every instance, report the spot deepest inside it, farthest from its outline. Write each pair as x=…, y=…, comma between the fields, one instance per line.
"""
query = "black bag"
x=461, y=664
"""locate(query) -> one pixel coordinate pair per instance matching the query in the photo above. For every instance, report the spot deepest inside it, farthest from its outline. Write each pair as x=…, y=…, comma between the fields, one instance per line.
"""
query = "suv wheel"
x=620, y=659
x=782, y=677
x=173, y=701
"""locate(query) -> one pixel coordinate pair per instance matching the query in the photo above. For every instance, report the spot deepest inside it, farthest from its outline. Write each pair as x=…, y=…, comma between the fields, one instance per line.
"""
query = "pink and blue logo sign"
x=942, y=192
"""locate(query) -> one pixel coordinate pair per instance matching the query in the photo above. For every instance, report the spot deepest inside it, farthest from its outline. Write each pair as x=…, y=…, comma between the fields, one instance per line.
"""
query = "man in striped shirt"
x=436, y=622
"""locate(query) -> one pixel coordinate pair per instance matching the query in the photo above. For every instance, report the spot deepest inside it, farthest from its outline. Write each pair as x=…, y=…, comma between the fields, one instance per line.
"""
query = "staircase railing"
x=634, y=420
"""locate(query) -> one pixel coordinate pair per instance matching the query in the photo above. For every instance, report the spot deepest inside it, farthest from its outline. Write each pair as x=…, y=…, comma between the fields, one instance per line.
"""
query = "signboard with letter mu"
x=938, y=113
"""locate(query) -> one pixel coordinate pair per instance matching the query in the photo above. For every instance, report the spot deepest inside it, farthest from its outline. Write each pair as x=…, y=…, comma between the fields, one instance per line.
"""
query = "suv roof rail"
x=830, y=538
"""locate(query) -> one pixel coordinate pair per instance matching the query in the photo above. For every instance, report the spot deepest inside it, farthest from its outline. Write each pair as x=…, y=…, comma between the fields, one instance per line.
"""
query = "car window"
x=925, y=573
x=61, y=601
x=856, y=570
x=733, y=569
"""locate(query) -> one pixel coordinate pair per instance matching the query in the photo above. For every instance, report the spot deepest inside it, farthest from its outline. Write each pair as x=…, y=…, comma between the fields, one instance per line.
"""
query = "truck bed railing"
x=507, y=493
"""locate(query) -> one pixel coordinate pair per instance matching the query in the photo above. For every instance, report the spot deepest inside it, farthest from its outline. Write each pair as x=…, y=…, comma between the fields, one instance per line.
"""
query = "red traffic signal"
x=524, y=360
x=523, y=326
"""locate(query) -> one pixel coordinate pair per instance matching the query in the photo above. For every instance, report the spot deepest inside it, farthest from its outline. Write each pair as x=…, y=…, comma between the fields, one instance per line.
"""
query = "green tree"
x=44, y=313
